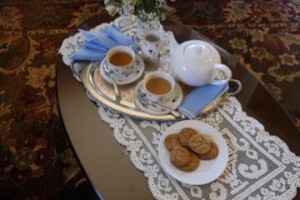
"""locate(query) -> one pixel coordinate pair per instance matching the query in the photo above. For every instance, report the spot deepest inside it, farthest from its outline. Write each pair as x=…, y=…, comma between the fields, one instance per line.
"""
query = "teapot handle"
x=222, y=74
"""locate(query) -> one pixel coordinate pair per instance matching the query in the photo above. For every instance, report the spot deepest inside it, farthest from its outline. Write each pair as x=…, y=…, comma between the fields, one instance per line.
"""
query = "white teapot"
x=197, y=63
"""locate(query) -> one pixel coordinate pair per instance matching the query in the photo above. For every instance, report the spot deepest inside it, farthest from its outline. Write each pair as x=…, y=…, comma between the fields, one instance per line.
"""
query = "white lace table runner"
x=260, y=166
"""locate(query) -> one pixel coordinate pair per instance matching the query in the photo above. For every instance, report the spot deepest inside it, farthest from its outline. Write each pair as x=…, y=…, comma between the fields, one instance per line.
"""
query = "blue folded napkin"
x=95, y=46
x=199, y=98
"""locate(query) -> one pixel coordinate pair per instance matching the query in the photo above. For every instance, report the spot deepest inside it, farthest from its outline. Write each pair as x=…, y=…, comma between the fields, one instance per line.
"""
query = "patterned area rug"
x=35, y=157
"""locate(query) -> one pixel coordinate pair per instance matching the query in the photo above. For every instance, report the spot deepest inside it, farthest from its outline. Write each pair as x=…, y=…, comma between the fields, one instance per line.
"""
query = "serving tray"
x=103, y=91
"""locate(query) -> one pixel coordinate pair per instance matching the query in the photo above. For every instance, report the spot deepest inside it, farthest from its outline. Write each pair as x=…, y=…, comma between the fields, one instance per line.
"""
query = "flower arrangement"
x=145, y=10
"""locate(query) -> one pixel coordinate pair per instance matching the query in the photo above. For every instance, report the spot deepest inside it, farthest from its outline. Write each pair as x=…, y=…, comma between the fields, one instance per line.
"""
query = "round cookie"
x=193, y=164
x=185, y=134
x=180, y=156
x=199, y=144
x=172, y=141
x=212, y=153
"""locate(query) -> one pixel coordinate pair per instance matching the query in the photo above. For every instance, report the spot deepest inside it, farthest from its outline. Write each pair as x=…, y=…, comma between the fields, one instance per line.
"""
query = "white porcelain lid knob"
x=198, y=52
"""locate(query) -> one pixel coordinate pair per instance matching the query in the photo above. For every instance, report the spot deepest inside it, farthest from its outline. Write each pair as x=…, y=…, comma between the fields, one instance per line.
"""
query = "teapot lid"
x=198, y=51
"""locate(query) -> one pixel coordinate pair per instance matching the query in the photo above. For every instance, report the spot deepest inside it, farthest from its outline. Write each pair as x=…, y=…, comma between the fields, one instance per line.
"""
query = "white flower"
x=112, y=10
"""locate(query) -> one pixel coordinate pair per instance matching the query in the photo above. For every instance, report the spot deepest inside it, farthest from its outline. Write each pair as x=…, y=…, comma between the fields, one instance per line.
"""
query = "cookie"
x=180, y=156
x=193, y=164
x=185, y=135
x=172, y=141
x=212, y=153
x=199, y=144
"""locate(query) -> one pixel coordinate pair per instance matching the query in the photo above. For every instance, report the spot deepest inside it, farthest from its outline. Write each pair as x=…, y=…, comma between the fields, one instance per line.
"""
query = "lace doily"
x=260, y=166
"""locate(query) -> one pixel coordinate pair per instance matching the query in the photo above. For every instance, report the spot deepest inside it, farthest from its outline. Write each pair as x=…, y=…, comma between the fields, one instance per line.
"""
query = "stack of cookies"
x=187, y=148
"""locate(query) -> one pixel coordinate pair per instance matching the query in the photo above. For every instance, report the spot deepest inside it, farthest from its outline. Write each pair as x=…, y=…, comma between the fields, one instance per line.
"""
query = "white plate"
x=207, y=171
x=137, y=71
x=172, y=102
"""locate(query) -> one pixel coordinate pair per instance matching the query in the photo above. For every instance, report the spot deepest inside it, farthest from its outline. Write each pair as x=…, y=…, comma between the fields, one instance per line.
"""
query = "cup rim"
x=152, y=32
x=120, y=48
x=161, y=74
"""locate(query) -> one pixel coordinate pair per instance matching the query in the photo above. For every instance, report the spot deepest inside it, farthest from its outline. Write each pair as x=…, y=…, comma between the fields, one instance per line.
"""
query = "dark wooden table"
x=106, y=163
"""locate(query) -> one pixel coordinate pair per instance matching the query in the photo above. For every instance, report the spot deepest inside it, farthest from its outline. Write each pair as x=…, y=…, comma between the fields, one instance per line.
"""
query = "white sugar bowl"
x=197, y=63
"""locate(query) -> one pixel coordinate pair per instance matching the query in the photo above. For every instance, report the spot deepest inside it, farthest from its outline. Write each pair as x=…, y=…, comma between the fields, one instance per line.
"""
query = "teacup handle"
x=222, y=74
x=137, y=43
x=136, y=40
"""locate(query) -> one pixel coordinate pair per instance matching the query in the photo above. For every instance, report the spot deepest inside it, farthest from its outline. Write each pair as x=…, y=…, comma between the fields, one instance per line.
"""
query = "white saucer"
x=208, y=170
x=137, y=71
x=172, y=102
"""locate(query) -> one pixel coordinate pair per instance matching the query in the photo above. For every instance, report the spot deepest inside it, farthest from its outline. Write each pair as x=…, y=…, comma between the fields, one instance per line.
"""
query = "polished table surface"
x=107, y=163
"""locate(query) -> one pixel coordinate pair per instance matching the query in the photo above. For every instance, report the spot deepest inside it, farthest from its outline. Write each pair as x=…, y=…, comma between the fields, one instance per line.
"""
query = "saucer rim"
x=153, y=112
x=141, y=66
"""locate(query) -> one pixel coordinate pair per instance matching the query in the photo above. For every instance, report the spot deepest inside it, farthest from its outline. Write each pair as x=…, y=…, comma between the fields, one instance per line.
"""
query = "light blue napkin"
x=199, y=98
x=95, y=46
x=117, y=35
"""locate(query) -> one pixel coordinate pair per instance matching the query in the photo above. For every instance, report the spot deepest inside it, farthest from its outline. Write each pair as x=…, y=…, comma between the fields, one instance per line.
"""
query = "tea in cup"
x=158, y=86
x=151, y=43
x=120, y=60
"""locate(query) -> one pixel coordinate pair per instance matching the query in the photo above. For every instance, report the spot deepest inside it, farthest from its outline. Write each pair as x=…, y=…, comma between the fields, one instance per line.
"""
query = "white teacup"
x=158, y=86
x=151, y=43
x=120, y=60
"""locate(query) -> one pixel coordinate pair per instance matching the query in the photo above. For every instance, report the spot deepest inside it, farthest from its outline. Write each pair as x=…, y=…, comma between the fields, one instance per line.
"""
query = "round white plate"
x=172, y=102
x=137, y=71
x=207, y=171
